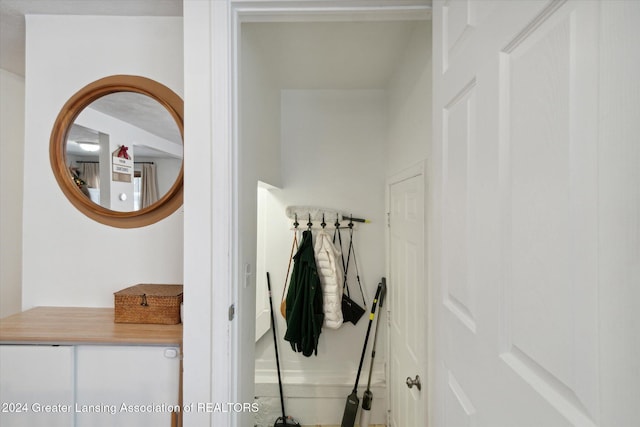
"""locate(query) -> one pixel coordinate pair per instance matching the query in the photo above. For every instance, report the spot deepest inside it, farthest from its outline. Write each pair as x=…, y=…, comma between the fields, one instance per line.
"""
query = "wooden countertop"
x=81, y=325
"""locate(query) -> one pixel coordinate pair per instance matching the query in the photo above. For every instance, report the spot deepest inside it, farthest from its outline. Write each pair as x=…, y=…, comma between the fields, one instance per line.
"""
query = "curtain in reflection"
x=90, y=173
x=148, y=185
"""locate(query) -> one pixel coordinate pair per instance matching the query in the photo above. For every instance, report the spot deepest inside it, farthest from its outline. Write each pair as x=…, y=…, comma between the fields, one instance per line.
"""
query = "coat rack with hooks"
x=320, y=215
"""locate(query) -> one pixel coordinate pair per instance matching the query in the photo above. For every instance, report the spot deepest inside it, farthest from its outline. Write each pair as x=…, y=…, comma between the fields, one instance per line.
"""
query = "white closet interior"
x=327, y=111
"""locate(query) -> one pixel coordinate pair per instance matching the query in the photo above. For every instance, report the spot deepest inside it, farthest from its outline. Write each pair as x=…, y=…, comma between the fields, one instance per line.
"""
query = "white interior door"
x=407, y=294
x=535, y=206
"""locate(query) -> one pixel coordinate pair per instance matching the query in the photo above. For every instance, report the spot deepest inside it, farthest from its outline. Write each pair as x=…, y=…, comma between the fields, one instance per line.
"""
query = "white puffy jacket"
x=331, y=279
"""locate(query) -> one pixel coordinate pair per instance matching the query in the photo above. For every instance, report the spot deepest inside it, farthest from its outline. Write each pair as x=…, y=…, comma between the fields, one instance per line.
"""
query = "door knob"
x=414, y=382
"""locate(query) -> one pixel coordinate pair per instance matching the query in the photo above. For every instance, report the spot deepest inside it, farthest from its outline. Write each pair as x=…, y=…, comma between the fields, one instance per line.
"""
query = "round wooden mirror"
x=116, y=151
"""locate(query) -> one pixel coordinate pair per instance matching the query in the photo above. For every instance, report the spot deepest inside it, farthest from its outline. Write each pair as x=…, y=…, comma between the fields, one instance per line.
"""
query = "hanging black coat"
x=304, y=301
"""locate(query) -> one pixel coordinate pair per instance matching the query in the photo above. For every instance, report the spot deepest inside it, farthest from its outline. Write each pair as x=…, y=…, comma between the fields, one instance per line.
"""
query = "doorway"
x=327, y=111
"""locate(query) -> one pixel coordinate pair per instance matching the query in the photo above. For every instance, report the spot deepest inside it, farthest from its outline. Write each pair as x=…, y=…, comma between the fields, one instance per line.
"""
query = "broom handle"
x=366, y=339
x=275, y=343
x=383, y=292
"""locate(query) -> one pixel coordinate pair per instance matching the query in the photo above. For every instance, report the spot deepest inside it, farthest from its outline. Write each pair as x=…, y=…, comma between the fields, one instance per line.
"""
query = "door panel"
x=132, y=386
x=549, y=200
x=458, y=408
x=36, y=385
x=458, y=132
x=517, y=212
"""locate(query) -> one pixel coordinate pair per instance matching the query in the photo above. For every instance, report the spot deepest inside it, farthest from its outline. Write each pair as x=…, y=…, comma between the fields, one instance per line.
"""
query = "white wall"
x=11, y=171
x=69, y=259
x=409, y=96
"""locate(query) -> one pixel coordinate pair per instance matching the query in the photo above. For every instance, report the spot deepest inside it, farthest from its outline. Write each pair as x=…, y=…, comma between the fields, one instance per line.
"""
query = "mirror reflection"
x=124, y=151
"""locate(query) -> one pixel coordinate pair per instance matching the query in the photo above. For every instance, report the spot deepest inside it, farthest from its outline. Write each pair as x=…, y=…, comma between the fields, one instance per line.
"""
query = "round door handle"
x=414, y=382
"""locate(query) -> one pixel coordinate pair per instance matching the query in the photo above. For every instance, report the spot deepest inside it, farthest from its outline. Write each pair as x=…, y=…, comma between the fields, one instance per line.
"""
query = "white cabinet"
x=126, y=385
x=36, y=385
x=88, y=385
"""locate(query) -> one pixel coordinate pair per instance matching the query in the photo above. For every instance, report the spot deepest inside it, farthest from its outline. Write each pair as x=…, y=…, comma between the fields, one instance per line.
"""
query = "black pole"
x=353, y=402
x=351, y=218
x=366, y=339
x=383, y=292
x=367, y=398
x=275, y=343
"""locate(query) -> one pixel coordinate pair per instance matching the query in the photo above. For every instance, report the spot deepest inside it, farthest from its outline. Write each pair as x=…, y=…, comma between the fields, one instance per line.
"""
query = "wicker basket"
x=147, y=303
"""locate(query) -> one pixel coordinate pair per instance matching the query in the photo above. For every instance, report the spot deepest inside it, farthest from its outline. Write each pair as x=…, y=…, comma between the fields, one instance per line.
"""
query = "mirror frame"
x=166, y=205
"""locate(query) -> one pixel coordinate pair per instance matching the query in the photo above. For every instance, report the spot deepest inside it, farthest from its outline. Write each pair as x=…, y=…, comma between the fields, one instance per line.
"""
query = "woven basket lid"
x=152, y=290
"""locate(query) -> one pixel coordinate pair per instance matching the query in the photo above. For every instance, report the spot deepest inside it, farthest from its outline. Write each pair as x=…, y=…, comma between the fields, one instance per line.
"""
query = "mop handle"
x=383, y=292
x=366, y=339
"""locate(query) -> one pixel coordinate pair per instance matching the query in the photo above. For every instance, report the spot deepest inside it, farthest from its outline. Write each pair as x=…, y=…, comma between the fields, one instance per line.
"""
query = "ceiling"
x=330, y=55
x=12, y=21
